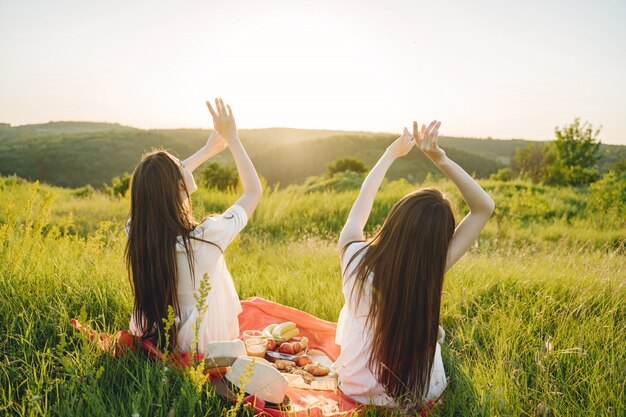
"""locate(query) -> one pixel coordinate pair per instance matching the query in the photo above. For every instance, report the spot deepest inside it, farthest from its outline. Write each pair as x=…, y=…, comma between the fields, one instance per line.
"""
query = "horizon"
x=290, y=127
x=487, y=69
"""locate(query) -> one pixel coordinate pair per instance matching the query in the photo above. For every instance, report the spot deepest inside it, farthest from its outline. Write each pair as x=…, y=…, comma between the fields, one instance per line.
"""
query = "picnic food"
x=303, y=360
x=307, y=377
x=282, y=331
x=286, y=348
x=316, y=369
x=305, y=342
x=283, y=328
x=271, y=344
x=256, y=346
x=268, y=330
x=284, y=365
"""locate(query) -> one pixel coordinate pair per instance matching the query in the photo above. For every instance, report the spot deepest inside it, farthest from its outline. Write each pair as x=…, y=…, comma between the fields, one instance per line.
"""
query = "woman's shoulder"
x=232, y=218
x=351, y=255
x=352, y=248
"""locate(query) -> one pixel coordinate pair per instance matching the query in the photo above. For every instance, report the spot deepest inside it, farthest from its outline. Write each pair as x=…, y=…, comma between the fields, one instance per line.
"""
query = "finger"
x=222, y=109
x=230, y=111
x=217, y=106
x=416, y=134
x=429, y=129
x=208, y=104
x=436, y=134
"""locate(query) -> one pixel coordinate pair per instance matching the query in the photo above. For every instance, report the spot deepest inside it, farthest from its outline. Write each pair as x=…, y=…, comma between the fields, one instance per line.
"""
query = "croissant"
x=316, y=369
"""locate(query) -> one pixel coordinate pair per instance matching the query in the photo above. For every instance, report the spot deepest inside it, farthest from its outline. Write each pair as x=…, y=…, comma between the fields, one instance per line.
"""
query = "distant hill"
x=294, y=163
x=257, y=140
x=73, y=154
x=76, y=159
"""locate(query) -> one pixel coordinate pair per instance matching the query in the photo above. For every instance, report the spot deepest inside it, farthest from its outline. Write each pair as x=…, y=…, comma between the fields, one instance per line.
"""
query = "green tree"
x=346, y=164
x=528, y=162
x=221, y=177
x=575, y=152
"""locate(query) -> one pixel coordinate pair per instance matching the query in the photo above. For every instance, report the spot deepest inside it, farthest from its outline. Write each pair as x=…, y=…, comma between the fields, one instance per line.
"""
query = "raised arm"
x=225, y=125
x=213, y=146
x=362, y=207
x=480, y=204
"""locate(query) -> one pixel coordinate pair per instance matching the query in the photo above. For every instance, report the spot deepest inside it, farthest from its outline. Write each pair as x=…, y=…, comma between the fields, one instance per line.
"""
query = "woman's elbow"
x=491, y=206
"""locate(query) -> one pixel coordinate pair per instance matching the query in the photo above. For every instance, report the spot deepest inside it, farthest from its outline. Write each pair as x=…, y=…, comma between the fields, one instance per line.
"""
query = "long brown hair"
x=407, y=258
x=158, y=215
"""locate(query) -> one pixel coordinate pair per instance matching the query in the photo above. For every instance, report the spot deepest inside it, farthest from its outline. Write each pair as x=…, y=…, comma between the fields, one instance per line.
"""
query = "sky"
x=502, y=69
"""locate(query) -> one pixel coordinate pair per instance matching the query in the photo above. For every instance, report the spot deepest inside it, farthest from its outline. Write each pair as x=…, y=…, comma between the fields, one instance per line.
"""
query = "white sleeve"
x=348, y=253
x=223, y=229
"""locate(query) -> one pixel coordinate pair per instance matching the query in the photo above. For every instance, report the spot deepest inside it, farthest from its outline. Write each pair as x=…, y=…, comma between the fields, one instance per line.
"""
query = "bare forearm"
x=476, y=198
x=198, y=158
x=247, y=173
x=363, y=205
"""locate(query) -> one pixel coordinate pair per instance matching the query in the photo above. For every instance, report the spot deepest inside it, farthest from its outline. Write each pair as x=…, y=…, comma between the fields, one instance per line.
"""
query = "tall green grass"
x=535, y=325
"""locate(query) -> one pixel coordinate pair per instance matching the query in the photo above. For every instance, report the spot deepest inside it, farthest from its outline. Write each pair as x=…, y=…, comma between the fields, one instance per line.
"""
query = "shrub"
x=220, y=177
x=346, y=164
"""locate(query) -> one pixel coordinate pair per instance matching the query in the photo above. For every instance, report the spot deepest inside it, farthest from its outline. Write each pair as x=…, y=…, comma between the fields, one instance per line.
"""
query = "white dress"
x=220, y=321
x=355, y=378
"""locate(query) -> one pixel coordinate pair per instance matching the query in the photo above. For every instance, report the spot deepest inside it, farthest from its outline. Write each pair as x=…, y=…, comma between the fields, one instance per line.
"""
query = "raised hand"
x=402, y=145
x=216, y=143
x=427, y=138
x=223, y=120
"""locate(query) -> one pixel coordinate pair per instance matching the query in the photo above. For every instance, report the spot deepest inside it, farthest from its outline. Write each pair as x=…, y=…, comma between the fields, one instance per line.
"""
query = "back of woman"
x=168, y=253
x=392, y=285
x=209, y=241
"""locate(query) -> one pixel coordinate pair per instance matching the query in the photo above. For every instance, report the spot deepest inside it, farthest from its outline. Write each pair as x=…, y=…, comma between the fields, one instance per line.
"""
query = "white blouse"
x=220, y=321
x=355, y=378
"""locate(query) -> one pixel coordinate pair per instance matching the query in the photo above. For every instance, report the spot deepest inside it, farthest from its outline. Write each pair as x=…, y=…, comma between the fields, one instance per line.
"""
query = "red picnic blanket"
x=257, y=314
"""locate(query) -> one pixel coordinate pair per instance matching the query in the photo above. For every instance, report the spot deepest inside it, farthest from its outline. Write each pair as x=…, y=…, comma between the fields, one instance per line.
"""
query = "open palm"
x=427, y=138
x=223, y=119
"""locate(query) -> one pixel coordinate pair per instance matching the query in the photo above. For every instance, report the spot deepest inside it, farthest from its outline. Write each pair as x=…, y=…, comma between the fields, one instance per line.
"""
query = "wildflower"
x=135, y=415
x=548, y=344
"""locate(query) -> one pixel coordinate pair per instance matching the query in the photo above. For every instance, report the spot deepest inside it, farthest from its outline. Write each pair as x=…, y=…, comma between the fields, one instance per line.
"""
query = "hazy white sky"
x=506, y=69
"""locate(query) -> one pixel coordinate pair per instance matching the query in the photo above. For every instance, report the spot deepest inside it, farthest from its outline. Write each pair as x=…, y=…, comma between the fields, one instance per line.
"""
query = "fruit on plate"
x=271, y=344
x=297, y=347
x=303, y=360
x=285, y=331
x=268, y=330
x=290, y=333
x=286, y=348
x=305, y=342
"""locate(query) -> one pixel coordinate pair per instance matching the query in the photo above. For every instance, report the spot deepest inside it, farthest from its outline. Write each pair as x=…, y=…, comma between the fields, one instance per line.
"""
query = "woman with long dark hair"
x=168, y=252
x=388, y=327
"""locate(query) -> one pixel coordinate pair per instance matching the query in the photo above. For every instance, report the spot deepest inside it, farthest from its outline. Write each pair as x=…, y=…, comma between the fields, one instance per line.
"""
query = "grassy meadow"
x=535, y=313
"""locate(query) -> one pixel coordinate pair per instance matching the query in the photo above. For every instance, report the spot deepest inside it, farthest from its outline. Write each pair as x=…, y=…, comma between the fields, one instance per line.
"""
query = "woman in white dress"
x=168, y=252
x=388, y=327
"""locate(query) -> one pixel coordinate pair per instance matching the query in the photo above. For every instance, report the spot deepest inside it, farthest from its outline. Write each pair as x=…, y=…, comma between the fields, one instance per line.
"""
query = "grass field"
x=535, y=314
